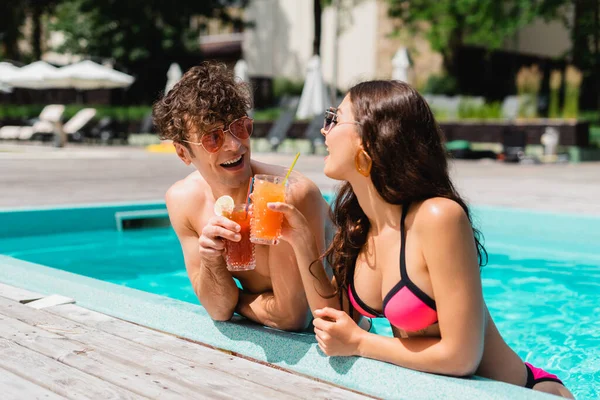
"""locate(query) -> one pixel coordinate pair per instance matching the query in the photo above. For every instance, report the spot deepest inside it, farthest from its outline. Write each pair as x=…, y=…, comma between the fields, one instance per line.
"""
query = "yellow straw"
x=291, y=168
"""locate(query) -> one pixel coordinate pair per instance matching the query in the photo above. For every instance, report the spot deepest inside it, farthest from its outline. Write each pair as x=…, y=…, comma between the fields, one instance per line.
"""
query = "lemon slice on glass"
x=224, y=205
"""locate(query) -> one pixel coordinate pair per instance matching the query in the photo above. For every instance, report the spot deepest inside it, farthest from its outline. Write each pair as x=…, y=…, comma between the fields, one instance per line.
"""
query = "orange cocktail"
x=266, y=224
x=239, y=256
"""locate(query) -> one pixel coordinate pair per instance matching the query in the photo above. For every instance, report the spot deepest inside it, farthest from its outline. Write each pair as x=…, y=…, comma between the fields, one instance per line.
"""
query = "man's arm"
x=212, y=282
x=286, y=306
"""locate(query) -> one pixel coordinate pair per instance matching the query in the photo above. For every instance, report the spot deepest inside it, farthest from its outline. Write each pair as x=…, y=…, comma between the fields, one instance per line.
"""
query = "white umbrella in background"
x=90, y=75
x=241, y=70
x=7, y=71
x=37, y=75
x=401, y=65
x=314, y=94
x=173, y=76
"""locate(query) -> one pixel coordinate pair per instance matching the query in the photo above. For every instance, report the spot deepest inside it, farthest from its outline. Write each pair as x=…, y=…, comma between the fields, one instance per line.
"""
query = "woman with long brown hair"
x=405, y=248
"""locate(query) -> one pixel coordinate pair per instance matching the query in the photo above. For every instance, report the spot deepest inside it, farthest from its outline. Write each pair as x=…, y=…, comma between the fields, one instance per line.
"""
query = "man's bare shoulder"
x=185, y=193
x=301, y=188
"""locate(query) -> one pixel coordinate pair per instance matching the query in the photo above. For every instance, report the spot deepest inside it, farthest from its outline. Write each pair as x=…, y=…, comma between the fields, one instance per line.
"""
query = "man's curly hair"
x=206, y=95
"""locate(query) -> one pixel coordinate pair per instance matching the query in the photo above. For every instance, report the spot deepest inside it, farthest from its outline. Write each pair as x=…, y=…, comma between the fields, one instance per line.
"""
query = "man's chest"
x=257, y=280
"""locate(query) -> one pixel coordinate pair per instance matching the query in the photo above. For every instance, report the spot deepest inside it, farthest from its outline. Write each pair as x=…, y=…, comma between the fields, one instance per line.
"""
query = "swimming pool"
x=541, y=284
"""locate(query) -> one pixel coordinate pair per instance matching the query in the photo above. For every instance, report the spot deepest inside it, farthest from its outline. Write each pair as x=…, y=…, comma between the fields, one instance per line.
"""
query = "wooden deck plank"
x=301, y=386
x=305, y=387
x=90, y=360
x=15, y=387
x=16, y=293
x=55, y=376
x=116, y=360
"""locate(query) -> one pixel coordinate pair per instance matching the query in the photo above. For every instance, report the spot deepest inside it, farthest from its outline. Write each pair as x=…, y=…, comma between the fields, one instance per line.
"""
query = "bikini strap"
x=403, y=274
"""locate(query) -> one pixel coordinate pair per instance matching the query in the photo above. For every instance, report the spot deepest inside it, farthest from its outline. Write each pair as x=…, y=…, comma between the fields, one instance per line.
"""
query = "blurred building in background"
x=357, y=40
x=278, y=41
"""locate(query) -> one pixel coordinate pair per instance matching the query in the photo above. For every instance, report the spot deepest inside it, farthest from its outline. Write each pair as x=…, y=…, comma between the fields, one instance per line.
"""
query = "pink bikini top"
x=405, y=306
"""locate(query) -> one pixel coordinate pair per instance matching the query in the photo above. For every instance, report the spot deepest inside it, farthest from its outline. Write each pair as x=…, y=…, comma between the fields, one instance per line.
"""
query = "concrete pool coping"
x=295, y=352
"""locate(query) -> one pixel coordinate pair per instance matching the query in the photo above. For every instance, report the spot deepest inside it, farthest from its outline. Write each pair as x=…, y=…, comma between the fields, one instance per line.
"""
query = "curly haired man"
x=205, y=116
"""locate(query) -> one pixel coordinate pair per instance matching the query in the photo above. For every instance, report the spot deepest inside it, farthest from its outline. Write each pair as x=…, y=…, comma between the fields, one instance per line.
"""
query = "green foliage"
x=133, y=30
x=267, y=114
x=571, y=105
x=451, y=23
x=132, y=113
x=492, y=110
x=71, y=110
x=440, y=84
x=554, y=108
x=440, y=114
x=468, y=109
x=137, y=113
x=556, y=78
x=573, y=80
x=285, y=86
x=595, y=135
x=591, y=116
x=142, y=37
x=484, y=22
x=21, y=112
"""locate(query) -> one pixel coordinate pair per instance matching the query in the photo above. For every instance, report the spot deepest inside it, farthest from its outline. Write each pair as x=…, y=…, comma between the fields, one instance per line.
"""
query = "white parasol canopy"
x=173, y=76
x=37, y=75
x=90, y=75
x=241, y=70
x=401, y=65
x=7, y=71
x=314, y=93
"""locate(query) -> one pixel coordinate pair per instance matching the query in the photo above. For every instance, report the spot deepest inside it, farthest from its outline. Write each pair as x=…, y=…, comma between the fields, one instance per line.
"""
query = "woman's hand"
x=295, y=227
x=337, y=333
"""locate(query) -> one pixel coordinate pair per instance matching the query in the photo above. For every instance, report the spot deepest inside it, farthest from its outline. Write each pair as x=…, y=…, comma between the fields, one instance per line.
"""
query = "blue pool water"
x=543, y=291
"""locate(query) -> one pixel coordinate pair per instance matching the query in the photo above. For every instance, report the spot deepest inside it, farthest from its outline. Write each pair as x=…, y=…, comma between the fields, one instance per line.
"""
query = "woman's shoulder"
x=438, y=213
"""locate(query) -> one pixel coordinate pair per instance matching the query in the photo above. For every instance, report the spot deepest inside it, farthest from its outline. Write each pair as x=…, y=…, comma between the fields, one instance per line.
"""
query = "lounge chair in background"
x=107, y=130
x=50, y=115
x=79, y=124
x=313, y=133
x=281, y=126
x=72, y=128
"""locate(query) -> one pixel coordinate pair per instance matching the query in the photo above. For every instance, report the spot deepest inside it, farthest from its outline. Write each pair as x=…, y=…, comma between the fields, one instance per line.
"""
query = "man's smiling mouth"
x=233, y=162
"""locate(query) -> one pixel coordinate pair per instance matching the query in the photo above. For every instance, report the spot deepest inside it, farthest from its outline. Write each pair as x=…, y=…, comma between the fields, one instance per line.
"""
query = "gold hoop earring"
x=357, y=162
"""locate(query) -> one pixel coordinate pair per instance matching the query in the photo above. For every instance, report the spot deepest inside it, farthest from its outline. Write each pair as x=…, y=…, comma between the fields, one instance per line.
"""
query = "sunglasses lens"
x=212, y=141
x=241, y=128
x=329, y=120
x=249, y=125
